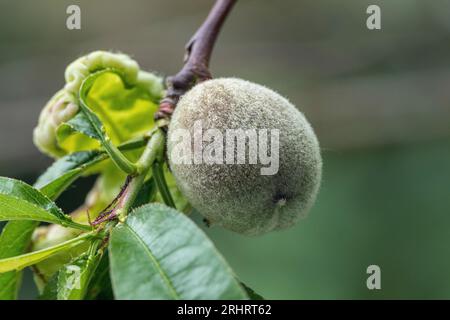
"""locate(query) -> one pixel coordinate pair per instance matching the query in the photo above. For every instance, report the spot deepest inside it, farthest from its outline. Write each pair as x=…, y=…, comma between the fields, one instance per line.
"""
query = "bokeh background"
x=378, y=100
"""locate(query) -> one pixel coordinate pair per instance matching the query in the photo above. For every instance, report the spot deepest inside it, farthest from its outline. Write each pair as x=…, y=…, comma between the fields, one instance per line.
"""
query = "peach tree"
x=132, y=238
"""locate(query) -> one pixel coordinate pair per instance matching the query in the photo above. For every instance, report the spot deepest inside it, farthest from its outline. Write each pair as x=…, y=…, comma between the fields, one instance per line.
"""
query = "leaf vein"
x=163, y=274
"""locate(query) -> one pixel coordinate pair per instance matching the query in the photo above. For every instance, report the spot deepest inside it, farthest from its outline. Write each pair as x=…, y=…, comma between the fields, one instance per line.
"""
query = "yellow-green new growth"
x=64, y=105
x=60, y=108
x=237, y=196
x=128, y=68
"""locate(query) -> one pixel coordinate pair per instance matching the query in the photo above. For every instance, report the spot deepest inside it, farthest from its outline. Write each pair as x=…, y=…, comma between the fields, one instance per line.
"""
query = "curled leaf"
x=124, y=100
x=61, y=108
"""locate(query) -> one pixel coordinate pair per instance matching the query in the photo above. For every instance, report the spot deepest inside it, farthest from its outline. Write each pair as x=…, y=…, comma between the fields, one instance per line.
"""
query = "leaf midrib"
x=155, y=262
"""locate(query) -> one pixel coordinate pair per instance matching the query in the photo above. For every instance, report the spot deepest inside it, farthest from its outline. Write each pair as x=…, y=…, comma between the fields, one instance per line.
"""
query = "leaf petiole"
x=154, y=148
x=161, y=183
x=76, y=225
x=118, y=157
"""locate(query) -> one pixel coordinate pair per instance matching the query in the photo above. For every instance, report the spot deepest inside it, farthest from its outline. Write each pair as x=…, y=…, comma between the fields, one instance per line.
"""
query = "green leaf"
x=94, y=127
x=56, y=187
x=14, y=240
x=100, y=286
x=74, y=278
x=26, y=260
x=124, y=100
x=19, y=189
x=73, y=135
x=50, y=291
x=81, y=123
x=20, y=201
x=16, y=235
x=63, y=172
x=12, y=208
x=65, y=165
x=109, y=107
x=66, y=170
x=125, y=111
x=89, y=123
x=49, y=236
x=252, y=294
x=159, y=253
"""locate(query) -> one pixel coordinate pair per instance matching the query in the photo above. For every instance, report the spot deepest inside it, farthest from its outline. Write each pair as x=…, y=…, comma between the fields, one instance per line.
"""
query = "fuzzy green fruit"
x=237, y=196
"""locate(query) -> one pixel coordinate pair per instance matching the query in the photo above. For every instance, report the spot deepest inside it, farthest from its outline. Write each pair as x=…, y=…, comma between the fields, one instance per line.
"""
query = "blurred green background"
x=378, y=100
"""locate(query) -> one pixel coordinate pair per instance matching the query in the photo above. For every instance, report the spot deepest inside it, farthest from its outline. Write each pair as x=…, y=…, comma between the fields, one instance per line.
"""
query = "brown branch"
x=196, y=60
